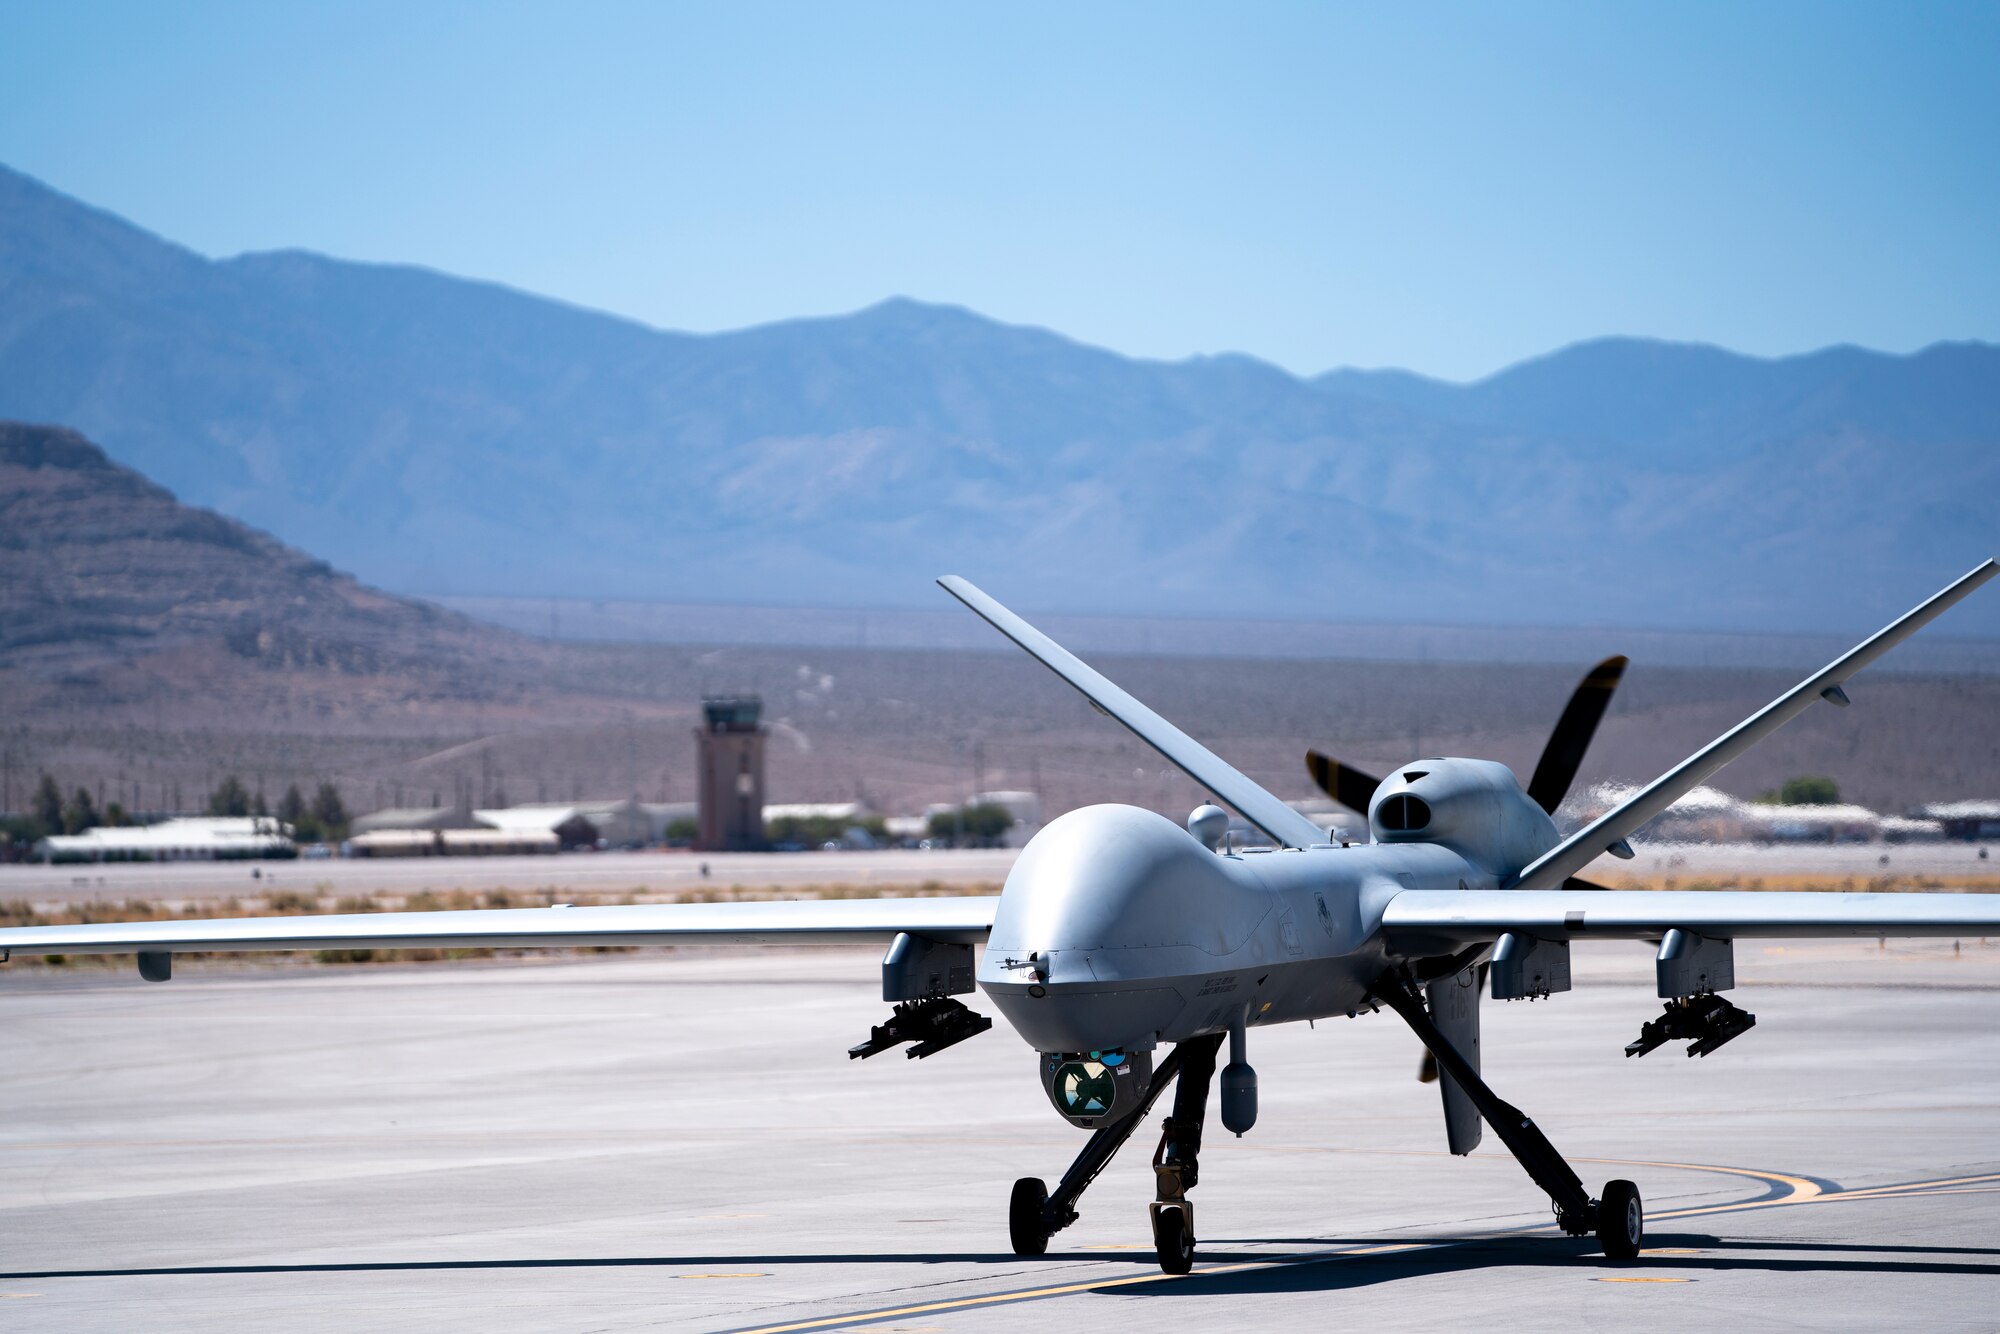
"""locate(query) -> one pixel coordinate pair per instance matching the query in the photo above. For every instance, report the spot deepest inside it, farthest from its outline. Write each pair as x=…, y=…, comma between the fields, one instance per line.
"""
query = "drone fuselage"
x=1117, y=930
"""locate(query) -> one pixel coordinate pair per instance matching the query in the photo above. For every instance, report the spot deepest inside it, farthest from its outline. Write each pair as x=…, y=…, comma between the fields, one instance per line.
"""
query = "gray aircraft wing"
x=1587, y=844
x=1197, y=761
x=963, y=921
x=1443, y=921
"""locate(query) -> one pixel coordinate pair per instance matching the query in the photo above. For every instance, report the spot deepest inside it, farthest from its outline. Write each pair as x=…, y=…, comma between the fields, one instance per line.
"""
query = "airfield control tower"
x=730, y=759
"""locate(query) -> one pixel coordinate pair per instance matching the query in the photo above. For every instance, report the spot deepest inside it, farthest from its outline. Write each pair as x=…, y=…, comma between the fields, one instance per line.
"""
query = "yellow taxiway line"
x=1797, y=1190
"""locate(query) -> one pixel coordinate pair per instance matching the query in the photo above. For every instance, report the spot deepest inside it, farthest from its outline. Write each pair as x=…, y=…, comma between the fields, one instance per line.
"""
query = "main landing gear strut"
x=1034, y=1215
x=1617, y=1217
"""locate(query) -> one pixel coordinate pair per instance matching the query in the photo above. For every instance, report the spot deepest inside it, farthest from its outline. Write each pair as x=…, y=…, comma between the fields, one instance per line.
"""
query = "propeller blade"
x=1564, y=753
x=1350, y=787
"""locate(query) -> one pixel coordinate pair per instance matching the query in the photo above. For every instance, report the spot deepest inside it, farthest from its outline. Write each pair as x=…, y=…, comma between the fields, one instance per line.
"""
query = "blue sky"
x=1445, y=188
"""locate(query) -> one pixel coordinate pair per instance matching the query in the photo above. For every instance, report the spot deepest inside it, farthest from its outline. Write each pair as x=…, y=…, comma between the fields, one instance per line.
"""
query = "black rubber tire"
x=1621, y=1220
x=1172, y=1241
x=1024, y=1217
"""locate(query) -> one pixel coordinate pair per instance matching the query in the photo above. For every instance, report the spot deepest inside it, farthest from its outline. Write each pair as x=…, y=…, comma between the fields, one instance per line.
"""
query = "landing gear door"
x=1454, y=1006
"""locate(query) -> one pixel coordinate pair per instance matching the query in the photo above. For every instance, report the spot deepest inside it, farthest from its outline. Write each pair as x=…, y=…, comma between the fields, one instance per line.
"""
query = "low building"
x=478, y=842
x=577, y=824
x=414, y=817
x=1703, y=815
x=1898, y=829
x=850, y=812
x=1832, y=822
x=498, y=842
x=397, y=843
x=1964, y=819
x=197, y=838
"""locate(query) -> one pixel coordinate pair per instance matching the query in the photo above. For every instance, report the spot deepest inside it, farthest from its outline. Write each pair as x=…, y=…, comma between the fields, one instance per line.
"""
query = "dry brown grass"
x=1844, y=884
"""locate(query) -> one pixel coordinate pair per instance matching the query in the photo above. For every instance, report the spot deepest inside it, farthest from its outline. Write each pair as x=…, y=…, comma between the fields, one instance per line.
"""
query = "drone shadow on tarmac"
x=1437, y=1256
x=1275, y=1273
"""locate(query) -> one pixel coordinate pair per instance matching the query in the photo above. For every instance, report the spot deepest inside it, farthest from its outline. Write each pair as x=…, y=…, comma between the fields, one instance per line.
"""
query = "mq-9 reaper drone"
x=1120, y=935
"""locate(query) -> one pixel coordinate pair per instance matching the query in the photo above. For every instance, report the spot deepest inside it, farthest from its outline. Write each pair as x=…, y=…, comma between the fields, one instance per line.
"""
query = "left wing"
x=1584, y=847
x=1443, y=921
x=1231, y=785
x=956, y=921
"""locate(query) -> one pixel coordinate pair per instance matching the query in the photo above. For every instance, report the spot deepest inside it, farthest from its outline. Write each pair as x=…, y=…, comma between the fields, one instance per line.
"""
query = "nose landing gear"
x=1173, y=1236
x=1034, y=1215
x=1177, y=1161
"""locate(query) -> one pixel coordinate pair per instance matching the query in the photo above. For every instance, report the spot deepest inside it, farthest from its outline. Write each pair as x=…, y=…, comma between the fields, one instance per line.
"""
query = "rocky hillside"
x=99, y=566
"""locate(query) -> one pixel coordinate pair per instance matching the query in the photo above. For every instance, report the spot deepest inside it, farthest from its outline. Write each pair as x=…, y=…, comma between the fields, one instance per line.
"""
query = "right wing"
x=1444, y=921
x=957, y=921
x=1587, y=844
x=1197, y=761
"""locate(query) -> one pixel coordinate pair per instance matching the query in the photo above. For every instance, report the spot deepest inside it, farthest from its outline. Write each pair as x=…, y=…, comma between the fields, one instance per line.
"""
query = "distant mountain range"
x=436, y=435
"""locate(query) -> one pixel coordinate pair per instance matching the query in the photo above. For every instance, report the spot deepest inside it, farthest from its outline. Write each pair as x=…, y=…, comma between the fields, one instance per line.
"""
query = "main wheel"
x=1172, y=1240
x=1621, y=1220
x=1024, y=1217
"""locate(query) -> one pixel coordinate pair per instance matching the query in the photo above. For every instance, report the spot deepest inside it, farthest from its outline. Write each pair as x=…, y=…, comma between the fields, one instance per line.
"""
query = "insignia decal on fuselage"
x=1288, y=932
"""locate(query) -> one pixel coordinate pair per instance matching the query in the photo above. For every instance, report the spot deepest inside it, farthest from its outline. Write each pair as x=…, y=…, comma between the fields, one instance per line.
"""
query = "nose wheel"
x=1026, y=1211
x=1173, y=1237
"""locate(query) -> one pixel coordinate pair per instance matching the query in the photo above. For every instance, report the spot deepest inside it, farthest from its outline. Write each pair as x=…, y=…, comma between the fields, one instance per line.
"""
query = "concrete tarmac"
x=678, y=1141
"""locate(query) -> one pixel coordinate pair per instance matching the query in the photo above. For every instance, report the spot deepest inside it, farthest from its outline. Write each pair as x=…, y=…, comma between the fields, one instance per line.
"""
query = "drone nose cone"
x=1113, y=877
x=1104, y=910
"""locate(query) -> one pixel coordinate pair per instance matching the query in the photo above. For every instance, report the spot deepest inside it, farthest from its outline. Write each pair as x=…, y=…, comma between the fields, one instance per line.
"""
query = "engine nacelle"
x=1092, y=1089
x=1474, y=807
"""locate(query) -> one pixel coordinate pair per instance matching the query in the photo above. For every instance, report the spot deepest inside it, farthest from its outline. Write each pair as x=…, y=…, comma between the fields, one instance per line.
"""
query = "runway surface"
x=668, y=874
x=679, y=1142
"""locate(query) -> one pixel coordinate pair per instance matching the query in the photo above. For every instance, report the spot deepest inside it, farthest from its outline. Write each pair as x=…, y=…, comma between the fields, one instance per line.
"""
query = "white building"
x=405, y=818
x=199, y=838
x=1965, y=819
x=617, y=824
x=1831, y=822
x=477, y=842
x=846, y=812
x=1898, y=829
